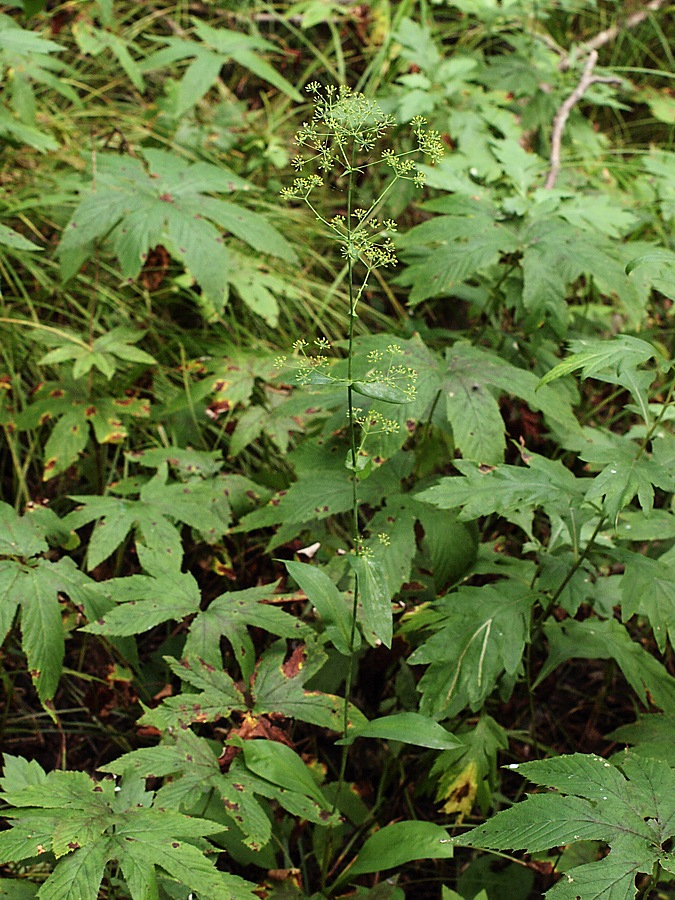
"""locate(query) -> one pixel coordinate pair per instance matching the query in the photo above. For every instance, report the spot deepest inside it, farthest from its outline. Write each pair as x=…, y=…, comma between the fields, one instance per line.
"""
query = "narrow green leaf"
x=408, y=727
x=394, y=845
x=374, y=596
x=328, y=600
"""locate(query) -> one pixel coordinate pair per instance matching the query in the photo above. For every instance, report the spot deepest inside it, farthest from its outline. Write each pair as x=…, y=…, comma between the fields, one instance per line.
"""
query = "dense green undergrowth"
x=337, y=470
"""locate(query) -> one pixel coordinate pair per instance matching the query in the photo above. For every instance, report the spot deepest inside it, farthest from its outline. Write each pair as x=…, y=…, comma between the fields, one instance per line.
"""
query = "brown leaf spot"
x=295, y=662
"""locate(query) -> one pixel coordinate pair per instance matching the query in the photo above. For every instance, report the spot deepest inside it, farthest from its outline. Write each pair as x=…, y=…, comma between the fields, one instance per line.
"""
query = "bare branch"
x=562, y=115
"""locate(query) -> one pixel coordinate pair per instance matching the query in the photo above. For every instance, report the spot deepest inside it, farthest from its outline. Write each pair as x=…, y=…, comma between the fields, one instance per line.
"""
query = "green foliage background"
x=337, y=461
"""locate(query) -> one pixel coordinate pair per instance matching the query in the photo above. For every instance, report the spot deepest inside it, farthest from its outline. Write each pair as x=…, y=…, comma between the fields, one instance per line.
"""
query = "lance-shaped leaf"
x=630, y=806
x=93, y=825
x=137, y=207
x=218, y=47
x=330, y=603
x=374, y=596
x=609, y=639
x=397, y=844
x=482, y=635
x=407, y=727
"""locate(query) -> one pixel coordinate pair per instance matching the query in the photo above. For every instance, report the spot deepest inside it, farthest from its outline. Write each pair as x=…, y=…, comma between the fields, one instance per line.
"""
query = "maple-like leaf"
x=31, y=585
x=87, y=824
x=216, y=48
x=203, y=505
x=139, y=202
x=75, y=414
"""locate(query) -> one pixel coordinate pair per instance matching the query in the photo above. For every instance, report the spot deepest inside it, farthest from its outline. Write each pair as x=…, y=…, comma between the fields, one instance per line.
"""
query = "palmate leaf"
x=75, y=414
x=480, y=634
x=447, y=250
x=472, y=380
x=276, y=687
x=615, y=361
x=191, y=769
x=116, y=344
x=138, y=203
x=31, y=585
x=230, y=616
x=627, y=473
x=630, y=806
x=556, y=254
x=203, y=505
x=94, y=824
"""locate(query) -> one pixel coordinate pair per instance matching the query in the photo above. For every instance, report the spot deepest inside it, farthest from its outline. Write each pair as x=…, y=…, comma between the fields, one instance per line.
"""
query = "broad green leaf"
x=78, y=875
x=549, y=820
x=653, y=736
x=19, y=535
x=480, y=634
x=472, y=380
x=323, y=487
x=557, y=254
x=146, y=601
x=374, y=596
x=394, y=845
x=611, y=878
x=648, y=589
x=457, y=248
x=283, y=767
x=330, y=603
x=375, y=390
x=407, y=727
x=34, y=589
x=483, y=490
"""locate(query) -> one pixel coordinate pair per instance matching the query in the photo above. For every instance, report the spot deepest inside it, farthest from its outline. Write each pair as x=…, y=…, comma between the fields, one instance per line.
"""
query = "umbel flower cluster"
x=344, y=126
